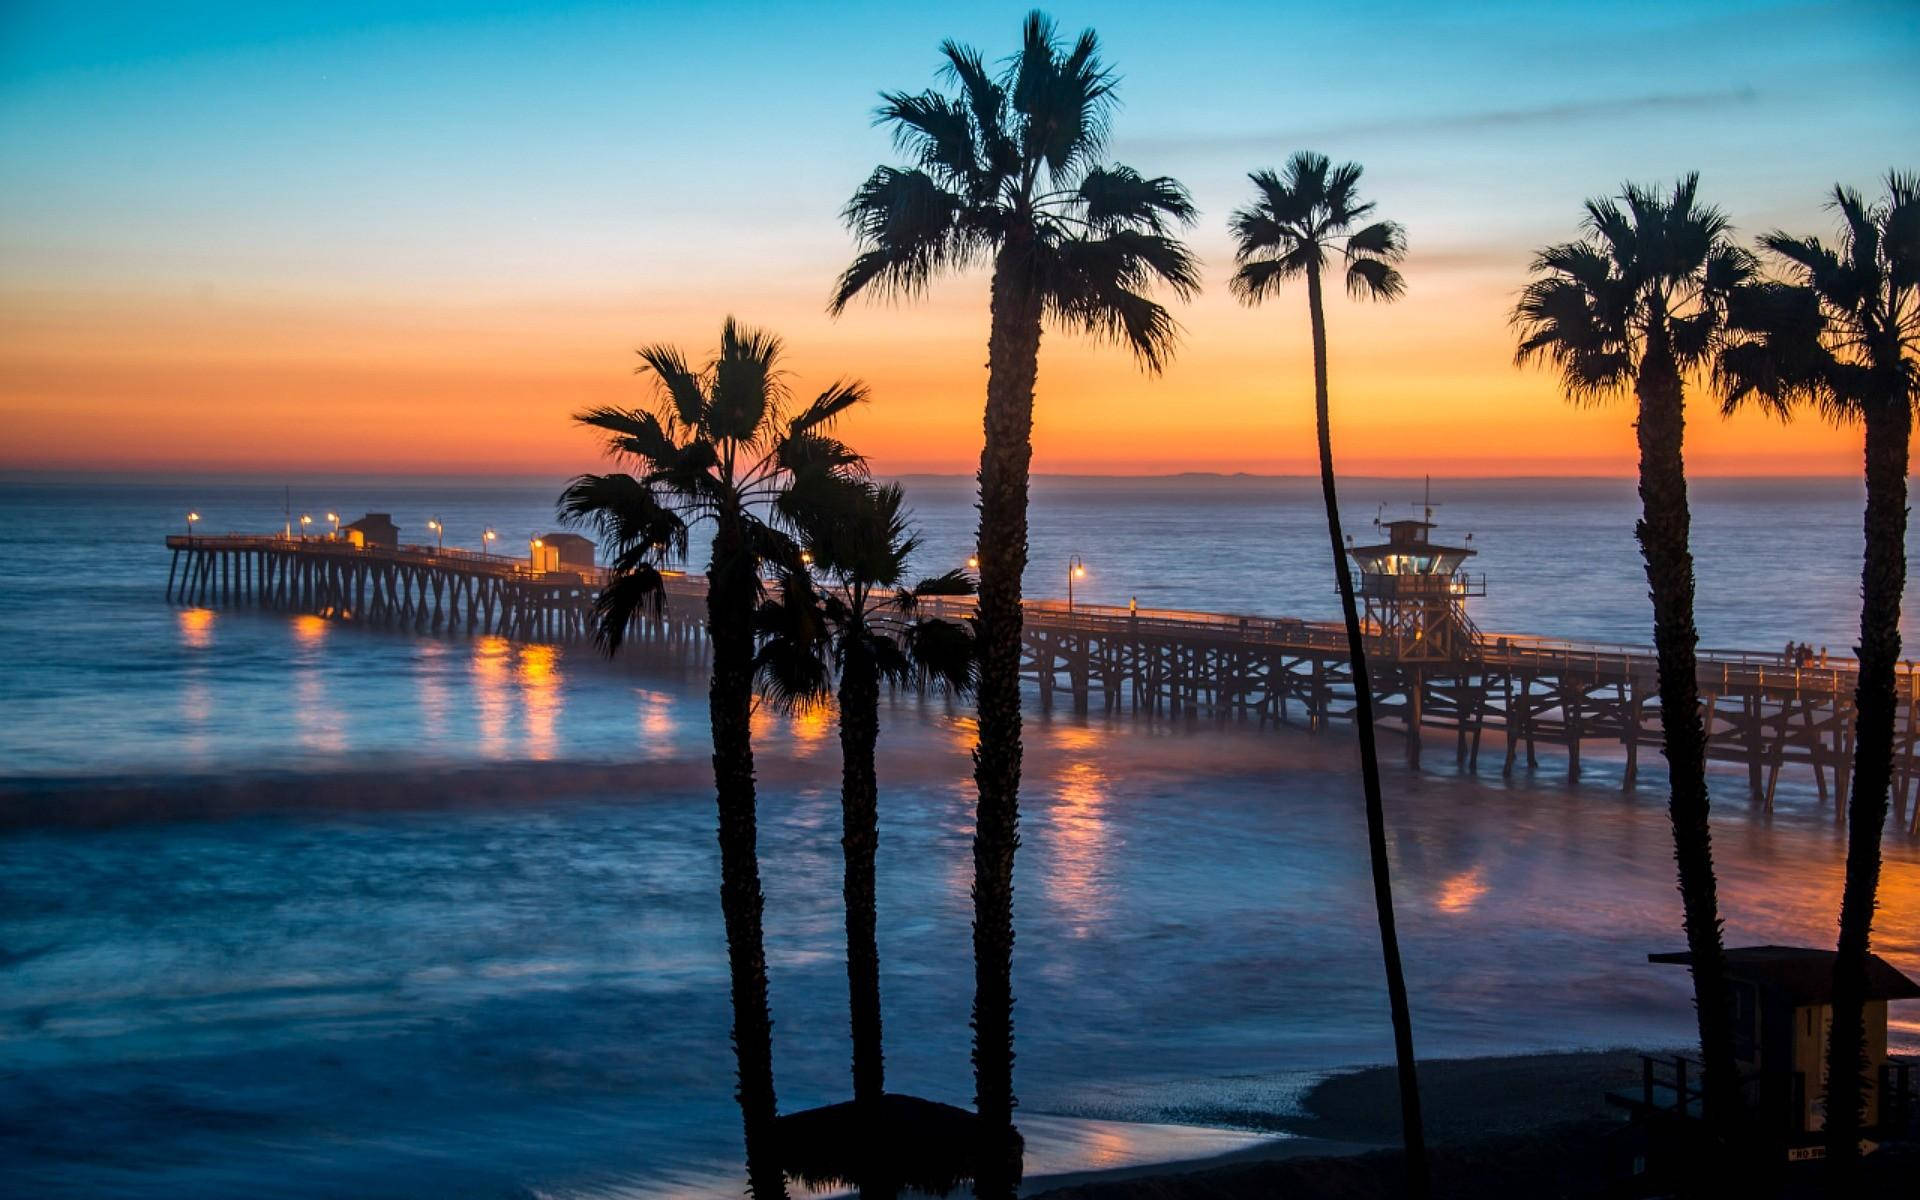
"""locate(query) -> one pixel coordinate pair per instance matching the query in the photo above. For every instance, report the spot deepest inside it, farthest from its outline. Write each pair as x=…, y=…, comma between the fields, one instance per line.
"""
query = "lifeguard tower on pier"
x=1415, y=592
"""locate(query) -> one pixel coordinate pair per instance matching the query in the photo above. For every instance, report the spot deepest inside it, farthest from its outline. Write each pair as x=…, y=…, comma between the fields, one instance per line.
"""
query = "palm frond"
x=1117, y=197
x=685, y=394
x=626, y=515
x=792, y=641
x=840, y=396
x=1374, y=279
x=626, y=597
x=909, y=229
x=634, y=432
x=747, y=385
x=944, y=654
x=1098, y=285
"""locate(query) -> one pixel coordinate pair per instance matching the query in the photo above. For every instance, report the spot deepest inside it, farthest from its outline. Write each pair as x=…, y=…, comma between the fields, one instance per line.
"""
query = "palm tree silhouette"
x=1638, y=303
x=1843, y=334
x=849, y=623
x=1299, y=218
x=717, y=445
x=1007, y=171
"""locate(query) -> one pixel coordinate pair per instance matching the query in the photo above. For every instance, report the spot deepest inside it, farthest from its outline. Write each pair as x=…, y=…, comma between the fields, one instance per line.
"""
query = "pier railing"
x=1761, y=711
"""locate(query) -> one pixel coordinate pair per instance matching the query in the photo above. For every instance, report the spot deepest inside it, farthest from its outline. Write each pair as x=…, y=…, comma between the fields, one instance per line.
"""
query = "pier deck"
x=1531, y=692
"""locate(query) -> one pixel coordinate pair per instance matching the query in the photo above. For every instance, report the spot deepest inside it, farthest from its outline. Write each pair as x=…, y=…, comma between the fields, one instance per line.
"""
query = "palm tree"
x=865, y=626
x=1640, y=302
x=1299, y=218
x=1007, y=170
x=718, y=445
x=1843, y=334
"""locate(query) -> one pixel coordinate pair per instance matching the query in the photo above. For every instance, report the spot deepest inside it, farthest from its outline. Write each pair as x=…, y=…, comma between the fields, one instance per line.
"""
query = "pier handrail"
x=1518, y=650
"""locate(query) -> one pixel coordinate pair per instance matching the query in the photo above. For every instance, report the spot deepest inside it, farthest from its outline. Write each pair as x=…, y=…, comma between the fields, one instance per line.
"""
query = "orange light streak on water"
x=540, y=697
x=317, y=726
x=490, y=669
x=1460, y=892
x=810, y=726
x=196, y=627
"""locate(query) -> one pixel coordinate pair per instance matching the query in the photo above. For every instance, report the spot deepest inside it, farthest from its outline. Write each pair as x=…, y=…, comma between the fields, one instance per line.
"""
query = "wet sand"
x=1533, y=1113
x=1523, y=1125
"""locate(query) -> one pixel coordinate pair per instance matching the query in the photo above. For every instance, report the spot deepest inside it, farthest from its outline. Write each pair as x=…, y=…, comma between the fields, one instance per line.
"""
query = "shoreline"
x=1351, y=1114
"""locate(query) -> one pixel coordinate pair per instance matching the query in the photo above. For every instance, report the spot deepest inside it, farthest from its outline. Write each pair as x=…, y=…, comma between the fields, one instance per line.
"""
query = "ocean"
x=452, y=925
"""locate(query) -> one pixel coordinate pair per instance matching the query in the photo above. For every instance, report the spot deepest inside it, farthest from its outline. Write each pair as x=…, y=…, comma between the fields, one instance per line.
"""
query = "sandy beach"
x=1534, y=1125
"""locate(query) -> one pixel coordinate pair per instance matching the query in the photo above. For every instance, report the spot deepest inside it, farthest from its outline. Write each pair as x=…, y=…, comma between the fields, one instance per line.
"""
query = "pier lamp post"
x=335, y=518
x=486, y=541
x=306, y=520
x=973, y=562
x=806, y=558
x=1076, y=569
x=191, y=518
x=439, y=534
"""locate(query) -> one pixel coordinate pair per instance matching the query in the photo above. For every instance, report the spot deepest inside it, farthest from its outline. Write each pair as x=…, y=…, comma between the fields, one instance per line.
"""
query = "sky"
x=416, y=237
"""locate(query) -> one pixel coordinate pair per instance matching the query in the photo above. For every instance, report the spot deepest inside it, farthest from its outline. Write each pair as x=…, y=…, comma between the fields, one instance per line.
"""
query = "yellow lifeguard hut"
x=1415, y=590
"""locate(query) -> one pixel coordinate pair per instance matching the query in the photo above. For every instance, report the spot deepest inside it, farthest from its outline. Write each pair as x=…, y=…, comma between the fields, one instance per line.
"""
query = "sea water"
x=362, y=913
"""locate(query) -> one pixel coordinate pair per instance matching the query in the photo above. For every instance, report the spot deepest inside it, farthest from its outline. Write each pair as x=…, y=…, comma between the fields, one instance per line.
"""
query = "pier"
x=1436, y=679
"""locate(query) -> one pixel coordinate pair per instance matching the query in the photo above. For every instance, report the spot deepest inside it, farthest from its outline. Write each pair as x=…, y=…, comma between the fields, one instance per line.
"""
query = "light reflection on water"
x=490, y=655
x=540, y=697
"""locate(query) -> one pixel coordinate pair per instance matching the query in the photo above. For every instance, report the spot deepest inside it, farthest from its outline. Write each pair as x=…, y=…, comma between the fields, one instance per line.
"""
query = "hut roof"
x=1802, y=974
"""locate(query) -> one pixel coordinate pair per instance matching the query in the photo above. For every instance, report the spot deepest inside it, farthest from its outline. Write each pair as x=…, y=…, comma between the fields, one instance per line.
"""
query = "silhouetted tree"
x=1638, y=303
x=1843, y=333
x=716, y=445
x=1299, y=219
x=1007, y=171
x=850, y=623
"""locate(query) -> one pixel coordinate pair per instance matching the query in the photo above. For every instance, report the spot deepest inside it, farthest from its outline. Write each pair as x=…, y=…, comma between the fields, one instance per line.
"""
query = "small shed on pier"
x=575, y=552
x=374, y=529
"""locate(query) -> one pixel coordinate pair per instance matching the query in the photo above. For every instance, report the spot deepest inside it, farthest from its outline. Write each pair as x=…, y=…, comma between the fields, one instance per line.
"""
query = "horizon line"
x=57, y=475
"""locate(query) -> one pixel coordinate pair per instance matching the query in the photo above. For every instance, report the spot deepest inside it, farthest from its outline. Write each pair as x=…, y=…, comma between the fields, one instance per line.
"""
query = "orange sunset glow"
x=274, y=385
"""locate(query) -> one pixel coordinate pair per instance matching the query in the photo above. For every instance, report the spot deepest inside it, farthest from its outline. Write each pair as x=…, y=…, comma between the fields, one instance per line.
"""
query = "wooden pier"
x=1530, y=692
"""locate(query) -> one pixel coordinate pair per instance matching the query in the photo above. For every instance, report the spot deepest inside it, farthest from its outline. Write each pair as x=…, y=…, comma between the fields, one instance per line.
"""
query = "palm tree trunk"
x=1412, y=1129
x=730, y=704
x=1882, y=578
x=1013, y=356
x=859, y=842
x=1663, y=532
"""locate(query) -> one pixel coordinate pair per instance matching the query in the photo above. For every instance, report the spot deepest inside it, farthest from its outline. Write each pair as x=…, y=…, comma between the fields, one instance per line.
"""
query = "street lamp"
x=806, y=558
x=1076, y=569
x=335, y=518
x=486, y=539
x=306, y=519
x=973, y=562
x=439, y=534
x=191, y=518
x=533, y=553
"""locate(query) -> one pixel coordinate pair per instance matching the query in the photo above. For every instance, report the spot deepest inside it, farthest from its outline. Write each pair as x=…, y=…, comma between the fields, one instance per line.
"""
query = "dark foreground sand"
x=1530, y=1126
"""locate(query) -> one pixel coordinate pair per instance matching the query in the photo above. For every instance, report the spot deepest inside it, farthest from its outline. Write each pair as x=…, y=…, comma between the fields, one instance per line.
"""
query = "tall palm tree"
x=849, y=625
x=1639, y=302
x=1843, y=334
x=1006, y=170
x=1299, y=219
x=717, y=444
